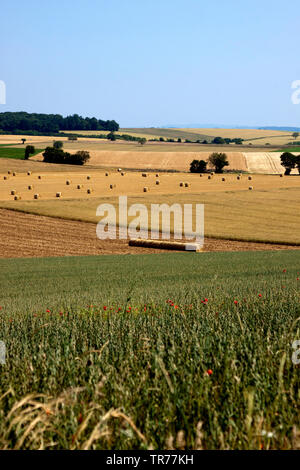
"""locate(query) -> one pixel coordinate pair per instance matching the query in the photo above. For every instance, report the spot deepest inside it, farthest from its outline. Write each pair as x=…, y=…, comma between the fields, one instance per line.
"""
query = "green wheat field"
x=164, y=351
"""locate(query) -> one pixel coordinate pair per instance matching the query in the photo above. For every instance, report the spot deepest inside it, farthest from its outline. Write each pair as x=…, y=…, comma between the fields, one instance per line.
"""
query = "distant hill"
x=274, y=128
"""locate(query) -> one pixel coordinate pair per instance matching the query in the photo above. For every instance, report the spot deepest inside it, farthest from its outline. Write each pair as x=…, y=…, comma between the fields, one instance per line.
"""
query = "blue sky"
x=153, y=62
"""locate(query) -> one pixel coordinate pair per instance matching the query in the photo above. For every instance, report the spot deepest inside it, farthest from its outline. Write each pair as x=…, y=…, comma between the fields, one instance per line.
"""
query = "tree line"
x=45, y=123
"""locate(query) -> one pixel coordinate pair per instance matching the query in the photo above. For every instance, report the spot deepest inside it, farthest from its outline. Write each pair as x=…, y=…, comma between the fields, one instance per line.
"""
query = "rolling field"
x=179, y=160
x=231, y=210
x=193, y=352
x=254, y=136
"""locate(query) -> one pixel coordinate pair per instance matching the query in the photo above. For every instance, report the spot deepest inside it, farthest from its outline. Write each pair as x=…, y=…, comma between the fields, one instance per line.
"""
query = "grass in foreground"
x=155, y=351
x=16, y=153
x=289, y=149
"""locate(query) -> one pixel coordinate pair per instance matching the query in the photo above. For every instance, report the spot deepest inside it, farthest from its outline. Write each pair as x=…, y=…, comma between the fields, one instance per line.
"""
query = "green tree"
x=198, y=166
x=111, y=136
x=295, y=135
x=218, y=141
x=142, y=141
x=218, y=161
x=23, y=141
x=288, y=160
x=78, y=158
x=29, y=150
x=58, y=144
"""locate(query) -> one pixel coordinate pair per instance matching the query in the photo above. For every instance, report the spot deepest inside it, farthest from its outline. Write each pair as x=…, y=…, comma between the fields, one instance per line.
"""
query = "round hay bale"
x=106, y=174
x=68, y=182
x=250, y=188
x=58, y=194
x=145, y=189
x=14, y=173
x=28, y=173
x=212, y=173
x=181, y=184
x=13, y=192
x=9, y=172
x=39, y=177
x=89, y=191
x=5, y=177
x=200, y=175
x=249, y=178
x=238, y=177
x=223, y=179
x=79, y=186
x=88, y=177
x=17, y=198
x=187, y=185
x=30, y=187
x=122, y=174
x=36, y=196
x=111, y=186
x=157, y=182
x=157, y=175
x=209, y=177
x=281, y=175
x=144, y=175
x=119, y=170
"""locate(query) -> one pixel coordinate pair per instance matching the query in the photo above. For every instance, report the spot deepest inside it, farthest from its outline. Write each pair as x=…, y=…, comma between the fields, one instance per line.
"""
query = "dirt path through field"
x=25, y=236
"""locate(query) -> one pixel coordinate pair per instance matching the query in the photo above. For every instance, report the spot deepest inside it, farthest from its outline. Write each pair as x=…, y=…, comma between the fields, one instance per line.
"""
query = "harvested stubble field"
x=179, y=160
x=194, y=351
x=43, y=236
x=231, y=210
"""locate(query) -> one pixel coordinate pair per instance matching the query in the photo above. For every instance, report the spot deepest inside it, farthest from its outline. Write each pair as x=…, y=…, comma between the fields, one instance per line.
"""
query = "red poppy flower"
x=209, y=372
x=104, y=308
x=259, y=295
x=235, y=302
x=48, y=311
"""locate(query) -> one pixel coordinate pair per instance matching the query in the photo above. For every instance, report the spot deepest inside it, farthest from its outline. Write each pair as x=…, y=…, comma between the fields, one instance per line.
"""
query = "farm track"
x=26, y=235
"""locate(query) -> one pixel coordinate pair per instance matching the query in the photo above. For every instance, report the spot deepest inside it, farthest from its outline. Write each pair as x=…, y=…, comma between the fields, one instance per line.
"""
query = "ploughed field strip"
x=26, y=235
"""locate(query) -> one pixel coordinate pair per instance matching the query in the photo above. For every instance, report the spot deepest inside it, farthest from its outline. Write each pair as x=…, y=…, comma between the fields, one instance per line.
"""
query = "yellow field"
x=255, y=137
x=270, y=212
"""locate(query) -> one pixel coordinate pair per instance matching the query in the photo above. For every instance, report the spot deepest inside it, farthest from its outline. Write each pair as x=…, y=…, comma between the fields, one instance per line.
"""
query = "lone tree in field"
x=295, y=135
x=198, y=166
x=218, y=161
x=58, y=144
x=289, y=161
x=29, y=150
x=23, y=141
x=142, y=141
